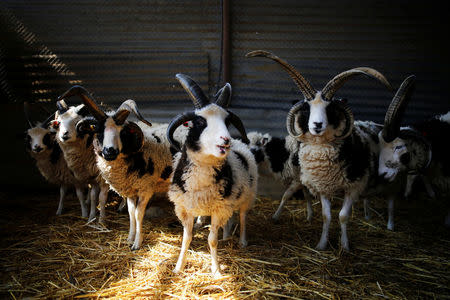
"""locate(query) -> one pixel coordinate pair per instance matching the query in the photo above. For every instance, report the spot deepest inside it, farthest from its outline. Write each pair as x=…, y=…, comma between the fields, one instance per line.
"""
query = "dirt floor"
x=48, y=256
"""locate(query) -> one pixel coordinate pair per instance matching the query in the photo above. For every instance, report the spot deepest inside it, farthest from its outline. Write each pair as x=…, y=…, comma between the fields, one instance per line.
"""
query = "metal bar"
x=226, y=40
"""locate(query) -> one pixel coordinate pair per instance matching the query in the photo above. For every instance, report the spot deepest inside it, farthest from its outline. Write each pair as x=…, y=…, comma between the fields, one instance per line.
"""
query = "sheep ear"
x=132, y=138
x=264, y=141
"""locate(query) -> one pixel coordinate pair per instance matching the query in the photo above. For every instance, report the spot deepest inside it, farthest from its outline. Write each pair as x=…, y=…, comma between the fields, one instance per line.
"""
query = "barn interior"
x=121, y=50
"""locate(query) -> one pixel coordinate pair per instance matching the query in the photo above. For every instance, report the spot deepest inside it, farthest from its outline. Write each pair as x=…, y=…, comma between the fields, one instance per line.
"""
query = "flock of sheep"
x=206, y=172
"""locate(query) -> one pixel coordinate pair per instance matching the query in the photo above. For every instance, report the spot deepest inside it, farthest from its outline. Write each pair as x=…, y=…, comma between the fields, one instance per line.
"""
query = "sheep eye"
x=398, y=148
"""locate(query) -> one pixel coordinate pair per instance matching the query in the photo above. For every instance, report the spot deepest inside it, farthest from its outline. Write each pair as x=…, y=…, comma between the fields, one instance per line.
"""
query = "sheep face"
x=39, y=139
x=318, y=119
x=394, y=157
x=67, y=121
x=112, y=137
x=208, y=132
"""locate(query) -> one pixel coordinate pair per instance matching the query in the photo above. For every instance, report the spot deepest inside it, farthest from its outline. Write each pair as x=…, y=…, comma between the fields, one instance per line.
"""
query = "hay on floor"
x=46, y=256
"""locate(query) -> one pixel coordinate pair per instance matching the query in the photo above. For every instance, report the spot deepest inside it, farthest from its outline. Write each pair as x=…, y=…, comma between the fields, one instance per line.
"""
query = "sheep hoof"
x=276, y=219
x=243, y=244
x=321, y=246
x=58, y=212
x=217, y=275
x=176, y=270
x=390, y=226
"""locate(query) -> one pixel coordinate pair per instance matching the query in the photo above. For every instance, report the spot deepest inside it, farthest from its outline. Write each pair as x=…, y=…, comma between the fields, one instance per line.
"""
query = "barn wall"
x=132, y=49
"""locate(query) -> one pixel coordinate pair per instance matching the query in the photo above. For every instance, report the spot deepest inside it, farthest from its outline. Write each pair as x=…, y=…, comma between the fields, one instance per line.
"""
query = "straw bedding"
x=45, y=256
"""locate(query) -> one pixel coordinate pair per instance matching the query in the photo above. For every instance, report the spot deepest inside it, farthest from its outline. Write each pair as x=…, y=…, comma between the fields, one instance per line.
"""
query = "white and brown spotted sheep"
x=214, y=175
x=79, y=154
x=278, y=158
x=42, y=146
x=135, y=160
x=337, y=155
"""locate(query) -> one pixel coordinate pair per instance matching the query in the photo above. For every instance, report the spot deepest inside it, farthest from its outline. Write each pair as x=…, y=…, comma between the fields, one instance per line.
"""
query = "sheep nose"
x=318, y=125
x=65, y=136
x=37, y=149
x=110, y=153
x=226, y=141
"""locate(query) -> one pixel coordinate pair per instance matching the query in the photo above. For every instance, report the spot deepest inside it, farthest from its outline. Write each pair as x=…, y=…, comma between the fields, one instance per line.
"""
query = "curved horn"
x=397, y=108
x=174, y=124
x=237, y=123
x=62, y=106
x=86, y=98
x=45, y=123
x=349, y=119
x=223, y=96
x=290, y=120
x=305, y=87
x=130, y=106
x=338, y=81
x=26, y=111
x=194, y=90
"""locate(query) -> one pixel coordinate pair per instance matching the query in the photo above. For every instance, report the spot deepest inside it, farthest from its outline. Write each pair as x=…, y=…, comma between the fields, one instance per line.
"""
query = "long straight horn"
x=78, y=90
x=130, y=106
x=305, y=87
x=194, y=90
x=338, y=81
x=223, y=96
x=26, y=111
x=397, y=108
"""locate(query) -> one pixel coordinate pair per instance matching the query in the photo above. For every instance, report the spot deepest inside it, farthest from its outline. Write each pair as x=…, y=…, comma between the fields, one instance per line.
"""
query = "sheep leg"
x=293, y=187
x=80, y=195
x=243, y=227
x=188, y=223
x=62, y=195
x=390, y=223
x=344, y=215
x=103, y=196
x=213, y=241
x=131, y=204
x=428, y=187
x=309, y=208
x=94, y=195
x=227, y=228
x=139, y=216
x=122, y=205
x=366, y=208
x=409, y=183
x=199, y=222
x=326, y=215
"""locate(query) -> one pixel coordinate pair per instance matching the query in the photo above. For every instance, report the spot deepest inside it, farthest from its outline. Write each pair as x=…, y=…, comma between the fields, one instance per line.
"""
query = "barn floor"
x=46, y=256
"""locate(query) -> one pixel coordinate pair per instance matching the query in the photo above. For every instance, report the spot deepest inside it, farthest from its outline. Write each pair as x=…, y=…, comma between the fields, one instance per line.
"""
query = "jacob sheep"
x=78, y=152
x=337, y=155
x=44, y=149
x=214, y=175
x=134, y=159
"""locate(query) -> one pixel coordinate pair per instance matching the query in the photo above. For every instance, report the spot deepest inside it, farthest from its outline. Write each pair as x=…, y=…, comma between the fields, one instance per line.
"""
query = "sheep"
x=337, y=155
x=135, y=160
x=213, y=175
x=78, y=148
x=418, y=150
x=44, y=149
x=278, y=158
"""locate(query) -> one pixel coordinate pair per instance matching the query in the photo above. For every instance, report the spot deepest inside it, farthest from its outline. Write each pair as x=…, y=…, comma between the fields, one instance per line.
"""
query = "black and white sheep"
x=278, y=158
x=135, y=160
x=44, y=149
x=337, y=155
x=214, y=175
x=78, y=151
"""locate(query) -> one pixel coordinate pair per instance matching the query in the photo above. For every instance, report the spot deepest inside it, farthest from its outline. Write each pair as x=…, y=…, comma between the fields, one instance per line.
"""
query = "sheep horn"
x=237, y=123
x=62, y=106
x=194, y=90
x=338, y=81
x=223, y=96
x=347, y=112
x=26, y=110
x=397, y=108
x=290, y=120
x=174, y=124
x=78, y=90
x=305, y=87
x=130, y=106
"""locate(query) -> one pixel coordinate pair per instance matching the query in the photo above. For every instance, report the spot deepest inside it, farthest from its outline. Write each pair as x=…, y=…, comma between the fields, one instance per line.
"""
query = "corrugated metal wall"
x=132, y=49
